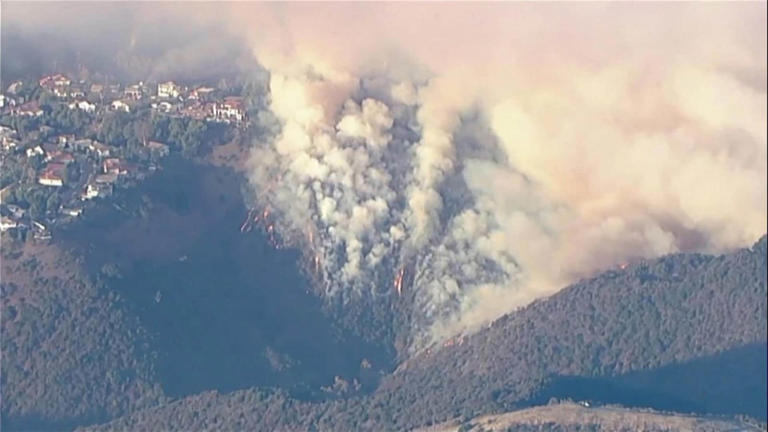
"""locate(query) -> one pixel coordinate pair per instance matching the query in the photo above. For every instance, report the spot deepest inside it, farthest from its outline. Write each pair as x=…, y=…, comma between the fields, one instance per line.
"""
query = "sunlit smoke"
x=500, y=176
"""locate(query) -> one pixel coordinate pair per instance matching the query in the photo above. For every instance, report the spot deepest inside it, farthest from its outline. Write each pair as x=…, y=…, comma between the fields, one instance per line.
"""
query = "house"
x=99, y=149
x=97, y=89
x=119, y=105
x=66, y=140
x=14, y=87
x=231, y=109
x=97, y=190
x=134, y=91
x=73, y=211
x=198, y=110
x=6, y=101
x=53, y=175
x=83, y=105
x=168, y=90
x=34, y=151
x=77, y=92
x=164, y=107
x=30, y=109
x=119, y=167
x=7, y=223
x=112, y=166
x=40, y=231
x=61, y=92
x=202, y=94
x=51, y=81
x=157, y=149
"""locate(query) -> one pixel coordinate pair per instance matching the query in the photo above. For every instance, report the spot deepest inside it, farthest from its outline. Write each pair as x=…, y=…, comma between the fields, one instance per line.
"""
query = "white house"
x=50, y=179
x=36, y=150
x=7, y=223
x=232, y=109
x=168, y=90
x=134, y=91
x=119, y=105
x=72, y=211
x=83, y=105
x=96, y=190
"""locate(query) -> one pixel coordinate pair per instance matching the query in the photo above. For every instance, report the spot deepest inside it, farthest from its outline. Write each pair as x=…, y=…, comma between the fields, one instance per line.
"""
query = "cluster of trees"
x=38, y=200
x=654, y=314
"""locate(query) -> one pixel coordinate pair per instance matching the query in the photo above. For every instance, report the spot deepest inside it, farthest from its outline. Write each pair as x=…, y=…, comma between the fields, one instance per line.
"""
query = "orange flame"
x=398, y=282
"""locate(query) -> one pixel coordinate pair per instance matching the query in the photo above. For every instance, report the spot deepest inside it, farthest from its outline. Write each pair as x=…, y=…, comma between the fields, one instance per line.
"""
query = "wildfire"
x=247, y=225
x=398, y=282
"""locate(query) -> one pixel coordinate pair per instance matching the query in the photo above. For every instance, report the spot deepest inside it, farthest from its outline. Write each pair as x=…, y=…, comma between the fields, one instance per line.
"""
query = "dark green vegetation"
x=621, y=326
x=70, y=353
x=224, y=310
x=161, y=295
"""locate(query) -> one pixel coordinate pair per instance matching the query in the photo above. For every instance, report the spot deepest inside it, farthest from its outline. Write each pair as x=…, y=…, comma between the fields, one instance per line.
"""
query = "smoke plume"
x=468, y=158
x=506, y=150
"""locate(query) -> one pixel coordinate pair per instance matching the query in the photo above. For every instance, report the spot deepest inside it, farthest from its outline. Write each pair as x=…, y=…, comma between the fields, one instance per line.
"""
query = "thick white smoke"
x=518, y=148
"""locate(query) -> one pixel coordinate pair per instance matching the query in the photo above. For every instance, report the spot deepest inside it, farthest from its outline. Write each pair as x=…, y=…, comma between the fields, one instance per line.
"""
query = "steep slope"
x=660, y=313
x=69, y=353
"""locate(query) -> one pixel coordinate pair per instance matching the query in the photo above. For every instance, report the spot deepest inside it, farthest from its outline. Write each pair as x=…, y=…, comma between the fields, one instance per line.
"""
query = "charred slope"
x=223, y=309
x=658, y=314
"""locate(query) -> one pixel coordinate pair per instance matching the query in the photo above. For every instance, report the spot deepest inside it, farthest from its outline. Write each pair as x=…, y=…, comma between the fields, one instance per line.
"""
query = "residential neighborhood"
x=66, y=143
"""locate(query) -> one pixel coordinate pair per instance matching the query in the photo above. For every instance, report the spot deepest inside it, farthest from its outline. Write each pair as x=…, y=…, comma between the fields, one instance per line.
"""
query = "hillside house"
x=133, y=92
x=99, y=149
x=6, y=101
x=35, y=151
x=168, y=90
x=7, y=223
x=119, y=105
x=204, y=94
x=14, y=87
x=52, y=81
x=84, y=106
x=232, y=109
x=164, y=107
x=157, y=149
x=97, y=190
x=72, y=211
x=54, y=175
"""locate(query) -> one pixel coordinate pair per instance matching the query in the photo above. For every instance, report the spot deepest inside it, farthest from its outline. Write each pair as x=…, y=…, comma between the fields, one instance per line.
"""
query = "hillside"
x=671, y=312
x=573, y=417
x=70, y=355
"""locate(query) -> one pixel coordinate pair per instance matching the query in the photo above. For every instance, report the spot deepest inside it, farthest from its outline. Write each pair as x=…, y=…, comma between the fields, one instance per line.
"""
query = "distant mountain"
x=624, y=328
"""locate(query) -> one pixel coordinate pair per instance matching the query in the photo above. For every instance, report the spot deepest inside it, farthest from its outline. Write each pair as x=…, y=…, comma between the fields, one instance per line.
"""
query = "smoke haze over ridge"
x=498, y=151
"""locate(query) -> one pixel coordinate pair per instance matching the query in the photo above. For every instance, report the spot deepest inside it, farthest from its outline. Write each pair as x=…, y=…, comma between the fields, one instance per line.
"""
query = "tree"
x=53, y=203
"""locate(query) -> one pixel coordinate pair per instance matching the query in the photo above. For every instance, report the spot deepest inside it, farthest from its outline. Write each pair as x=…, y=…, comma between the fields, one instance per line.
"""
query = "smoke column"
x=502, y=151
x=453, y=162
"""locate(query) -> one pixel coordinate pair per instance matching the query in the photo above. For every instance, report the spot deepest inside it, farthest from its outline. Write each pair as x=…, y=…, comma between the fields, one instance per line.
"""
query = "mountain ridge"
x=657, y=313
